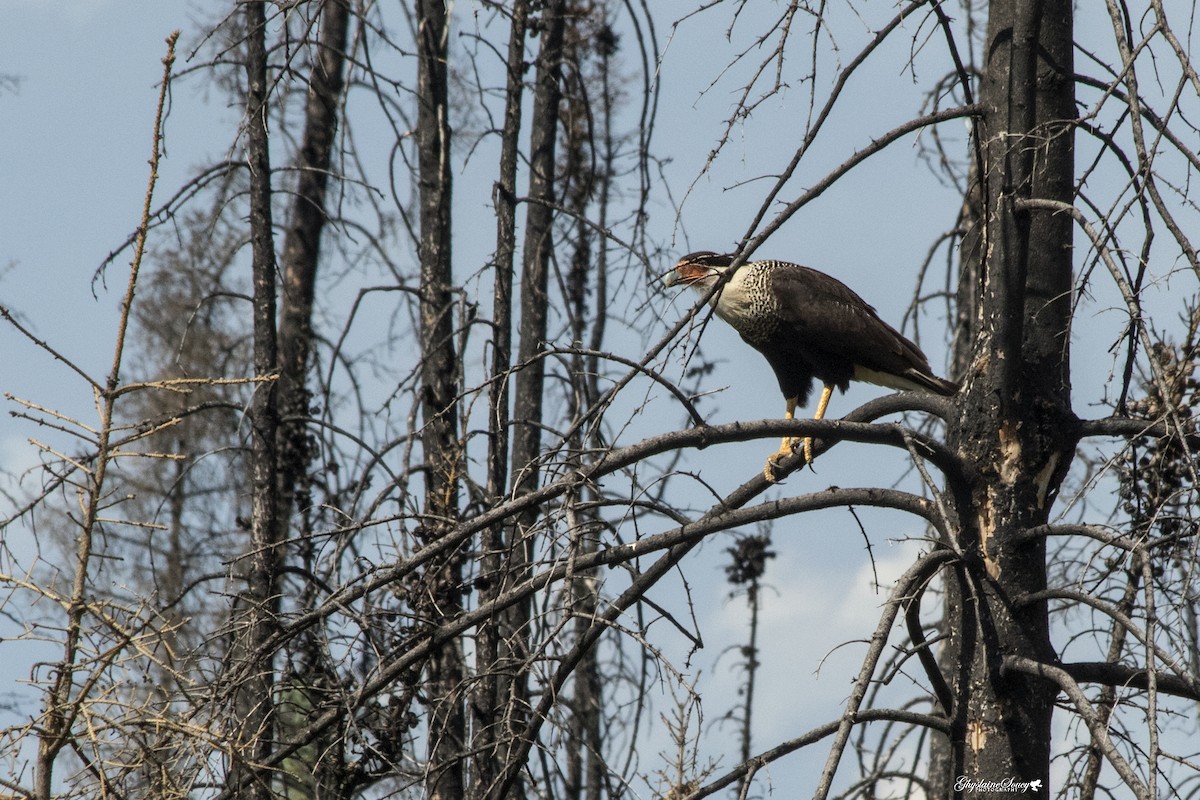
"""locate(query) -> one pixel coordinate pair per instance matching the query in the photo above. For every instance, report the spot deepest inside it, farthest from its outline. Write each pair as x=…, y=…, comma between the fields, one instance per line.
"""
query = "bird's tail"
x=911, y=380
x=940, y=385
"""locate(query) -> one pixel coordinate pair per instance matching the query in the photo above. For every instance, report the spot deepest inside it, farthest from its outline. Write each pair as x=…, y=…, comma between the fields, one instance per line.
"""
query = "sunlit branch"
x=866, y=715
x=914, y=577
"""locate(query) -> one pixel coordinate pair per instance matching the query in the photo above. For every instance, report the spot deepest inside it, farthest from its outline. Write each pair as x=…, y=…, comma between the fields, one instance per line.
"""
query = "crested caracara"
x=808, y=325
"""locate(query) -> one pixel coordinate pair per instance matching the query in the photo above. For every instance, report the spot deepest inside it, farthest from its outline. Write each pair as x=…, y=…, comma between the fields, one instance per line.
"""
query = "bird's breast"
x=749, y=309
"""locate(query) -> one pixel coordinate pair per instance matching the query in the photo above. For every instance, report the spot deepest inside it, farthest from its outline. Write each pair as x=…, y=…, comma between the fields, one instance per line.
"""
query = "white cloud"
x=813, y=629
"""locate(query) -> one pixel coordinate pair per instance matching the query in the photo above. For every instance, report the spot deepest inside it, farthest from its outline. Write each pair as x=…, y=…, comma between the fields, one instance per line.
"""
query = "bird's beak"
x=671, y=278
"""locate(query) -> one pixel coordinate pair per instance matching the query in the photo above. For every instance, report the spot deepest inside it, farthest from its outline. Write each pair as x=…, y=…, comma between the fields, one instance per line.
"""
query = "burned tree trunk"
x=501, y=701
x=300, y=255
x=260, y=598
x=539, y=232
x=307, y=682
x=1013, y=427
x=493, y=687
x=440, y=597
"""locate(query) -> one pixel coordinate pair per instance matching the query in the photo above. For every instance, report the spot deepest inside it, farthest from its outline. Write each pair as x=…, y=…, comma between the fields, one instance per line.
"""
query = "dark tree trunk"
x=439, y=387
x=1014, y=419
x=958, y=629
x=300, y=259
x=300, y=256
x=510, y=709
x=539, y=242
x=260, y=602
x=491, y=694
x=587, y=163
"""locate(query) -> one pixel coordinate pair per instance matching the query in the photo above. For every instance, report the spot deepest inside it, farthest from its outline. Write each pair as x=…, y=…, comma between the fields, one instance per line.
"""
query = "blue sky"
x=77, y=131
x=77, y=134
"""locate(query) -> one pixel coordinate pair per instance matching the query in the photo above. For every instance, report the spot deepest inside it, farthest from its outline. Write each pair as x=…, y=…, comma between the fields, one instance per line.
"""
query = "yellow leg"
x=788, y=444
x=785, y=447
x=826, y=393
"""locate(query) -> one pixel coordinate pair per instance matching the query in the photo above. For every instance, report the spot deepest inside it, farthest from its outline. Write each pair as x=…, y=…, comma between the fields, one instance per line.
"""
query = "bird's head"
x=698, y=270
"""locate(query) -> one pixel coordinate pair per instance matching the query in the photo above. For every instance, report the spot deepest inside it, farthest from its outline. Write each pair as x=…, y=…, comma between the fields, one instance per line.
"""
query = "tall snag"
x=502, y=716
x=300, y=261
x=300, y=256
x=494, y=686
x=441, y=592
x=1012, y=429
x=260, y=598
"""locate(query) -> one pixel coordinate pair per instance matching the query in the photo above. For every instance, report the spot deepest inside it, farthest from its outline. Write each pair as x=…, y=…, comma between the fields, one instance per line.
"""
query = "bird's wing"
x=831, y=318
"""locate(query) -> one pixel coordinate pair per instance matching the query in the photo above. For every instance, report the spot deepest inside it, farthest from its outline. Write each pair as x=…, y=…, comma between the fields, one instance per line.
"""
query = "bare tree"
x=259, y=614
x=1014, y=411
x=425, y=527
x=87, y=659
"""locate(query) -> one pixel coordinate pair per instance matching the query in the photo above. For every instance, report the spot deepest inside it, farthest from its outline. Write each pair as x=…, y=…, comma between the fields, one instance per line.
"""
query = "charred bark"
x=310, y=685
x=587, y=166
x=490, y=697
x=441, y=593
x=510, y=693
x=539, y=241
x=260, y=601
x=300, y=256
x=1012, y=430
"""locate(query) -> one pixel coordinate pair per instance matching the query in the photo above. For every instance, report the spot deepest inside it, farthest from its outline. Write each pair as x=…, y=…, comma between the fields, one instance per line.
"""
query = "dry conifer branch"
x=65, y=699
x=182, y=385
x=43, y=345
x=139, y=249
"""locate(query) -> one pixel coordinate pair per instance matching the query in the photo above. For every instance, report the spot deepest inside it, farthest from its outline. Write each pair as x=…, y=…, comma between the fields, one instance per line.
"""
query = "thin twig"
x=1087, y=713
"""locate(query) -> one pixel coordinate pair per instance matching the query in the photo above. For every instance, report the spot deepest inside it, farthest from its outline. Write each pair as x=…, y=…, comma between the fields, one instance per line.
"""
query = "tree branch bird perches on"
x=808, y=325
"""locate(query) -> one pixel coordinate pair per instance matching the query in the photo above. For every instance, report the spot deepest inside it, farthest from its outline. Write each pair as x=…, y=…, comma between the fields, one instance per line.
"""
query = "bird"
x=808, y=325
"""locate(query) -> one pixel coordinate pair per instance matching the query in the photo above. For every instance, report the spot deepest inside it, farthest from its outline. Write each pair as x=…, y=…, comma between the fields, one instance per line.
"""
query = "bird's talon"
x=808, y=452
x=769, y=471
